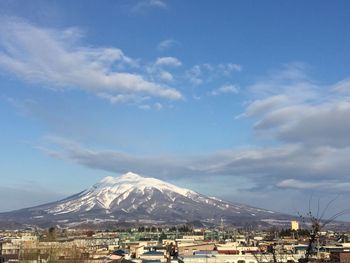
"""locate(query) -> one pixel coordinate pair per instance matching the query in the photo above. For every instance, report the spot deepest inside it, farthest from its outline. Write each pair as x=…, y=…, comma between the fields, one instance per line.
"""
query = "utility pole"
x=318, y=247
x=222, y=228
x=1, y=258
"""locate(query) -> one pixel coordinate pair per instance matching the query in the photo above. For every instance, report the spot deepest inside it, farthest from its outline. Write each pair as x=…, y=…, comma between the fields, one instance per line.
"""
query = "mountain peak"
x=131, y=197
x=130, y=175
x=127, y=177
x=110, y=188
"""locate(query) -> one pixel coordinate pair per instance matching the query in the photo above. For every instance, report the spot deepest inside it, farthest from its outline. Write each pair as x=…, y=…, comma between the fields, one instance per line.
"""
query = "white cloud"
x=158, y=106
x=167, y=44
x=290, y=107
x=195, y=75
x=166, y=76
x=56, y=58
x=205, y=73
x=144, y=5
x=123, y=98
x=318, y=185
x=324, y=124
x=260, y=106
x=268, y=177
x=159, y=74
x=225, y=89
x=342, y=86
x=291, y=81
x=228, y=69
x=144, y=107
x=157, y=3
x=115, y=98
x=168, y=61
x=264, y=167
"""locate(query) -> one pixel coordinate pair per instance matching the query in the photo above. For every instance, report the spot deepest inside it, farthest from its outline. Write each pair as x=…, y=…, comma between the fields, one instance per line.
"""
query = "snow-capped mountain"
x=132, y=198
x=112, y=193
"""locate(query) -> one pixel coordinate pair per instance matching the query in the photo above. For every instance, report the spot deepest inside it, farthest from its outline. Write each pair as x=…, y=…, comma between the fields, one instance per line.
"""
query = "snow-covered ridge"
x=115, y=190
x=135, y=181
x=132, y=181
x=131, y=196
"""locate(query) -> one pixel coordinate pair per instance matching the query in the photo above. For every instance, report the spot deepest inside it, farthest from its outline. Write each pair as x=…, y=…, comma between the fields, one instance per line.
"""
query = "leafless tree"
x=318, y=223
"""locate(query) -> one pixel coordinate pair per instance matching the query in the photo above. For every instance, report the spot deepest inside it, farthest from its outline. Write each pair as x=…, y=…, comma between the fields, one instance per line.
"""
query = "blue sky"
x=245, y=100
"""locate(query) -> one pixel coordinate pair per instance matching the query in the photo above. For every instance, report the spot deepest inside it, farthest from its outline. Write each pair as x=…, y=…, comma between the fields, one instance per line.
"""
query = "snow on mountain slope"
x=131, y=192
x=115, y=190
x=133, y=198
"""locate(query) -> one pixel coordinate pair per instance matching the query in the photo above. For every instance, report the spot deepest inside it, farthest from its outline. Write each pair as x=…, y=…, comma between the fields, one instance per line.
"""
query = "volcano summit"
x=131, y=198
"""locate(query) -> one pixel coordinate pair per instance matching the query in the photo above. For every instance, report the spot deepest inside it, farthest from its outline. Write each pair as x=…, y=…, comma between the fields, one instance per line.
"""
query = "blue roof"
x=205, y=252
x=153, y=253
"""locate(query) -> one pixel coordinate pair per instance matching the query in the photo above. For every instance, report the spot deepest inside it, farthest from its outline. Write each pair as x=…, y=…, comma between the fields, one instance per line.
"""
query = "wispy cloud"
x=165, y=76
x=290, y=107
x=144, y=107
x=204, y=73
x=265, y=168
x=336, y=186
x=123, y=98
x=229, y=68
x=168, y=61
x=145, y=5
x=156, y=106
x=162, y=69
x=225, y=89
x=56, y=58
x=167, y=44
x=342, y=86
